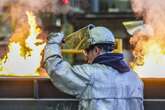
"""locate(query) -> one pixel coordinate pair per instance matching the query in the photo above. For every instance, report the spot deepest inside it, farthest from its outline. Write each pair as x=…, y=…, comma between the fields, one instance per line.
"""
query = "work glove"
x=56, y=38
x=53, y=47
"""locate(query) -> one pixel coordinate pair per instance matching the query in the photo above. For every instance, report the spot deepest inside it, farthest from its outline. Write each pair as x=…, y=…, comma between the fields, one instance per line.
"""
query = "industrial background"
x=37, y=92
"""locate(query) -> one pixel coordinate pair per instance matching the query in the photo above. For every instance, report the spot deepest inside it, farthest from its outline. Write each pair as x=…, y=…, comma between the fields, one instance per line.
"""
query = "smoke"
x=148, y=43
x=35, y=5
x=153, y=14
x=15, y=10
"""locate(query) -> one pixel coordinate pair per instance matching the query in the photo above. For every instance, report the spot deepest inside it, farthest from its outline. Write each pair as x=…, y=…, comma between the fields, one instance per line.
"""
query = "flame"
x=148, y=42
x=150, y=57
x=24, y=61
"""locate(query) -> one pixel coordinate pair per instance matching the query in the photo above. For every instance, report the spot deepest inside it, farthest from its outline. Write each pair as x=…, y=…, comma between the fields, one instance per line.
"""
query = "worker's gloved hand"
x=55, y=38
x=53, y=45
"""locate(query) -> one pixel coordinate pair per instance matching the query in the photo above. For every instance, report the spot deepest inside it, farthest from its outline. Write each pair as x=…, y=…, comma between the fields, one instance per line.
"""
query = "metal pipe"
x=72, y=51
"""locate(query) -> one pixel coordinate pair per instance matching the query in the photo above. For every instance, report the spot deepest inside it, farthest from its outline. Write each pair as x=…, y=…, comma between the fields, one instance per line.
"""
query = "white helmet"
x=101, y=35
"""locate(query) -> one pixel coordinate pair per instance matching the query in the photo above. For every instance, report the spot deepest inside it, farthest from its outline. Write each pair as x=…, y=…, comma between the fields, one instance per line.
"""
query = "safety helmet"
x=100, y=35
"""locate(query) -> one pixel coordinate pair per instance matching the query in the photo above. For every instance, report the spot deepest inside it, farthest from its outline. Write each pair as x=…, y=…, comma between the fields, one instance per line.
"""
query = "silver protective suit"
x=96, y=86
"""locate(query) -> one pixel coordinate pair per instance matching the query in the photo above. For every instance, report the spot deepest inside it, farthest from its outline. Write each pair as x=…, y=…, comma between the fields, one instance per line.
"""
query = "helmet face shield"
x=79, y=39
x=88, y=37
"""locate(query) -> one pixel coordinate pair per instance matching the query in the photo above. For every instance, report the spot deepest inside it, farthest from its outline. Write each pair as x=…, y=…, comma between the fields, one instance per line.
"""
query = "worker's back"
x=110, y=90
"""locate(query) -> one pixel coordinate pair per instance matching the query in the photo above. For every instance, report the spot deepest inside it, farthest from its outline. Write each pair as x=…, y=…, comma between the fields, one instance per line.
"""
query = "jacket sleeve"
x=67, y=78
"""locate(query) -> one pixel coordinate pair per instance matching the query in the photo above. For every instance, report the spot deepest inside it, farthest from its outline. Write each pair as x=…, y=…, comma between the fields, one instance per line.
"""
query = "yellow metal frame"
x=75, y=51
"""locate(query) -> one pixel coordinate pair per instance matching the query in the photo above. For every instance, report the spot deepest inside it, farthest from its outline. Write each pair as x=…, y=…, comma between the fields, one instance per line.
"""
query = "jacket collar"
x=115, y=60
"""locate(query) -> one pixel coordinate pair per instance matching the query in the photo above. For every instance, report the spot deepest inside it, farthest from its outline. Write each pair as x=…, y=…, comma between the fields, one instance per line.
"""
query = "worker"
x=105, y=83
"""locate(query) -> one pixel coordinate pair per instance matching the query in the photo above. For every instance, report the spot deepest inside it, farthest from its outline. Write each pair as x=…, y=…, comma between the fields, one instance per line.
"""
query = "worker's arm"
x=71, y=80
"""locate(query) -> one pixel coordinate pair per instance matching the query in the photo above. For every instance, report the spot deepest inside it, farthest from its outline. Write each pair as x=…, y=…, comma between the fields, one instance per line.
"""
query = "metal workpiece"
x=29, y=87
x=38, y=104
x=154, y=97
x=38, y=93
x=33, y=93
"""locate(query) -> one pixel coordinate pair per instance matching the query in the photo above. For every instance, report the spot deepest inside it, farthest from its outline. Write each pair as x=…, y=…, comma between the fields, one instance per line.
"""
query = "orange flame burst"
x=149, y=56
x=17, y=64
x=148, y=42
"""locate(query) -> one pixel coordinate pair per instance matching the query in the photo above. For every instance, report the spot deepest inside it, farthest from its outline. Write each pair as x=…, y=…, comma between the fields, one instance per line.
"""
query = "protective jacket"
x=97, y=86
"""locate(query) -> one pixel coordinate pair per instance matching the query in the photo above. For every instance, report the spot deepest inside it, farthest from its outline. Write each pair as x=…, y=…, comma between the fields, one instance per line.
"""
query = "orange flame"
x=149, y=45
x=149, y=56
x=26, y=61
